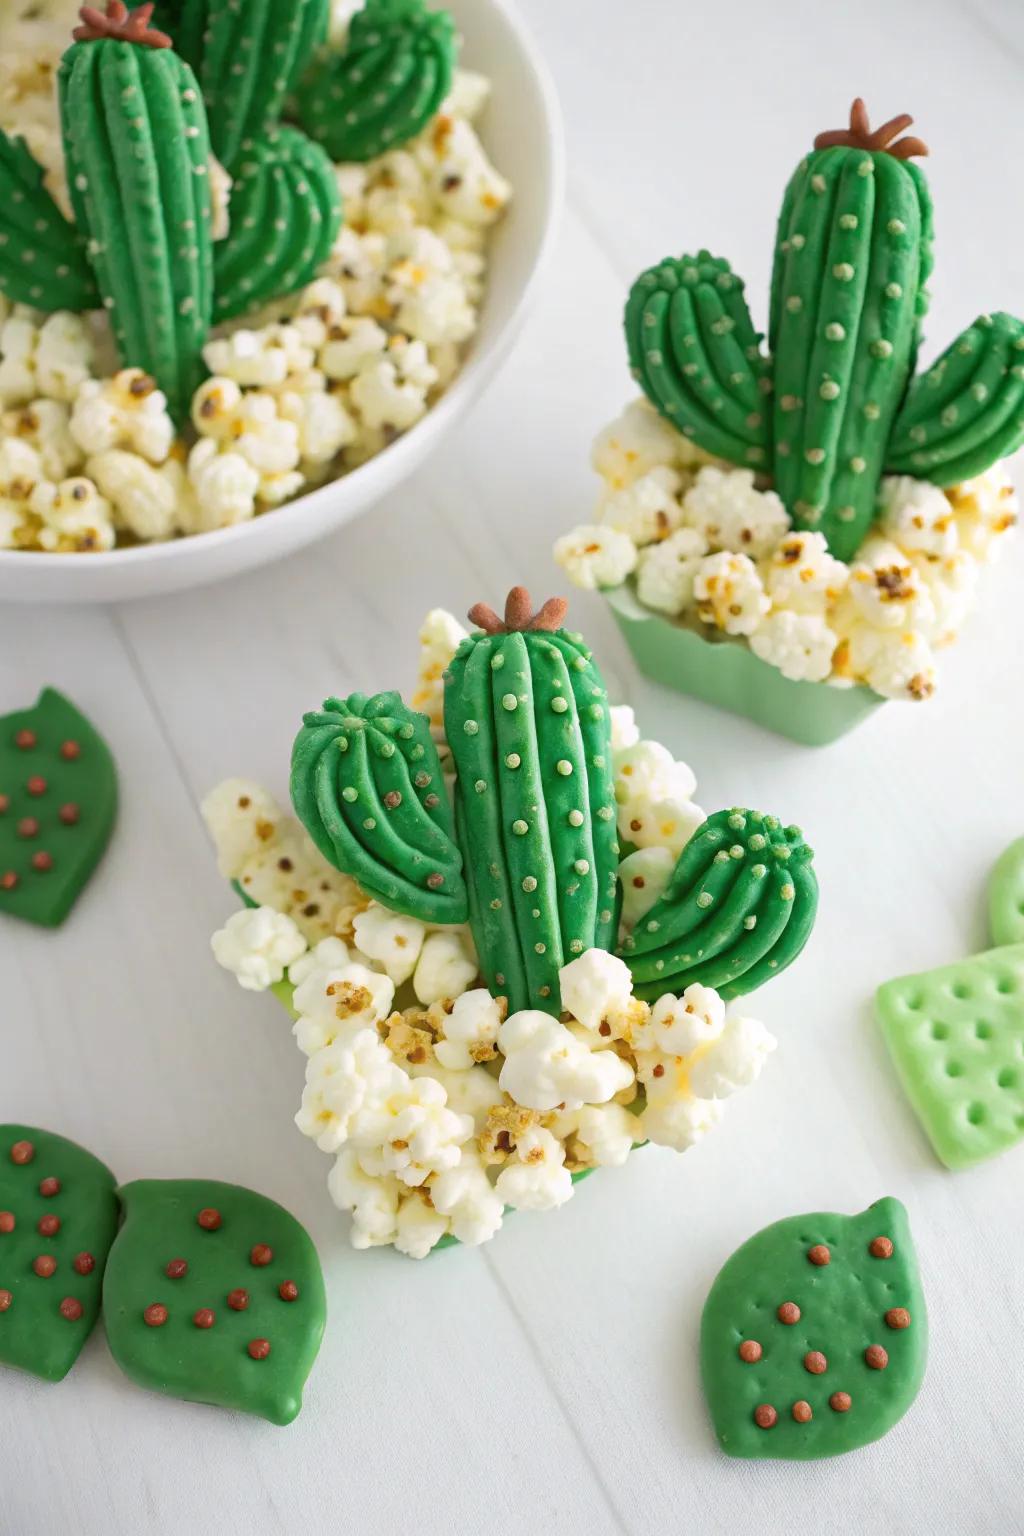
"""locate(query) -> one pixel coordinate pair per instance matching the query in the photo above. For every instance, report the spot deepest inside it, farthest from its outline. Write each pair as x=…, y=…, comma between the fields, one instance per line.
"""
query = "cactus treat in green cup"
x=242, y=250
x=506, y=934
x=812, y=505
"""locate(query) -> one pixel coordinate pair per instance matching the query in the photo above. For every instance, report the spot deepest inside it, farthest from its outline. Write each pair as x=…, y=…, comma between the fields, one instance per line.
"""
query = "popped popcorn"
x=147, y=501
x=647, y=771
x=917, y=516
x=470, y=1030
x=546, y=1065
x=372, y=1203
x=225, y=486
x=52, y=359
x=678, y=1026
x=801, y=575
x=600, y=1135
x=637, y=442
x=730, y=594
x=336, y=999
x=801, y=645
x=393, y=941
x=127, y=411
x=413, y=1133
x=440, y=637
x=885, y=588
x=536, y=1179
x=986, y=509
x=595, y=556
x=625, y=731
x=595, y=987
x=344, y=1080
x=447, y=965
x=72, y=515
x=44, y=425
x=647, y=509
x=666, y=572
x=259, y=358
x=464, y=183
x=466, y=1196
x=258, y=945
x=392, y=391
x=732, y=515
x=420, y=1228
x=739, y=1052
x=644, y=876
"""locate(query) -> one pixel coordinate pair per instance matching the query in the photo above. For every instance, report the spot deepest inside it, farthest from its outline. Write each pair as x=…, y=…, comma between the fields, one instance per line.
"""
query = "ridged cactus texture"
x=285, y=213
x=136, y=146
x=852, y=260
x=386, y=85
x=42, y=259
x=738, y=909
x=367, y=784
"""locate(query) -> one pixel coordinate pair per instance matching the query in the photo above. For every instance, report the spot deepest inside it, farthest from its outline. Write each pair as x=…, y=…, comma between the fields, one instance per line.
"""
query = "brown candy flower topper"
x=519, y=614
x=119, y=22
x=860, y=136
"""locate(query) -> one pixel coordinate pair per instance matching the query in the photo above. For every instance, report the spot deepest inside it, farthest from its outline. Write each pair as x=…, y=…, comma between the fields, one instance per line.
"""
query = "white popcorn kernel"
x=64, y=356
x=447, y=965
x=801, y=645
x=986, y=510
x=679, y=1123
x=257, y=944
x=373, y=1203
x=44, y=426
x=595, y=987
x=21, y=469
x=214, y=407
x=220, y=184
x=225, y=486
x=666, y=572
x=465, y=1195
x=594, y=556
x=321, y=305
x=647, y=771
x=469, y=95
x=625, y=731
x=464, y=183
x=668, y=823
x=19, y=336
x=802, y=576
x=393, y=941
x=412, y=1133
x=440, y=637
x=647, y=509
x=73, y=516
x=729, y=593
x=637, y=442
x=733, y=516
x=678, y=1025
x=952, y=584
x=240, y=816
x=126, y=412
x=145, y=499
x=917, y=516
x=345, y=1079
x=337, y=1002
x=546, y=1065
x=605, y=1134
x=259, y=358
x=420, y=1228
x=329, y=954
x=392, y=391
x=470, y=1030
x=885, y=590
x=324, y=425
x=535, y=1179
x=734, y=1060
x=644, y=876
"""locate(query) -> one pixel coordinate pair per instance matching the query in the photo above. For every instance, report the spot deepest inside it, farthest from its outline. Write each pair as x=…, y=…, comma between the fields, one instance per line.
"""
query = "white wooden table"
x=548, y=1382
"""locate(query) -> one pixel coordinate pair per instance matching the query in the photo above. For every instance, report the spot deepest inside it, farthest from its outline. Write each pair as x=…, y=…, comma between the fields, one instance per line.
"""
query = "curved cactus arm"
x=695, y=354
x=967, y=410
x=285, y=213
x=367, y=785
x=136, y=146
x=42, y=258
x=738, y=909
x=385, y=86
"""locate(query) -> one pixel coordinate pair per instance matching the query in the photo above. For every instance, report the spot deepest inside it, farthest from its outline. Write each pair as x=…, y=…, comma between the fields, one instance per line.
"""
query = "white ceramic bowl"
x=523, y=134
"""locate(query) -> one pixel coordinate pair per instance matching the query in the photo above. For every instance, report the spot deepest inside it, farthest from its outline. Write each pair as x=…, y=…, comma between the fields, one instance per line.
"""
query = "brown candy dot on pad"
x=204, y=1318
x=44, y=1265
x=48, y=1226
x=36, y=785
x=26, y=740
x=788, y=1313
x=69, y=750
x=238, y=1300
x=71, y=1309
x=22, y=1152
x=898, y=1317
x=8, y=880
x=83, y=1264
x=176, y=1269
x=801, y=1412
x=880, y=1247
x=42, y=861
x=155, y=1315
x=7, y=1222
x=261, y=1255
x=69, y=814
x=209, y=1219
x=819, y=1255
x=840, y=1402
x=876, y=1357
x=765, y=1416
x=750, y=1351
x=5, y=803
x=815, y=1362
x=28, y=827
x=49, y=1187
x=5, y=1300
x=259, y=1349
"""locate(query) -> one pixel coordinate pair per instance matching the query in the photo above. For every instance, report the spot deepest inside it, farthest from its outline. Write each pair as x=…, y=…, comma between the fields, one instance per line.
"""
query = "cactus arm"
x=42, y=261
x=681, y=918
x=803, y=908
x=967, y=411
x=367, y=785
x=693, y=350
x=285, y=213
x=782, y=248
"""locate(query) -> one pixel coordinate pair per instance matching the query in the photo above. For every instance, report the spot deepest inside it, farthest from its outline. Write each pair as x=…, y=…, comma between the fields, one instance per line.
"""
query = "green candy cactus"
x=529, y=849
x=834, y=404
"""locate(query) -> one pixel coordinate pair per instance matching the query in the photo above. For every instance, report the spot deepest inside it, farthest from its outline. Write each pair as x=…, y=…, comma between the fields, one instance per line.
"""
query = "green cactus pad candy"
x=738, y=909
x=956, y=1038
x=367, y=784
x=285, y=213
x=58, y=800
x=852, y=260
x=694, y=350
x=968, y=409
x=42, y=259
x=1006, y=896
x=214, y=1294
x=814, y=1336
x=58, y=1217
x=391, y=79
x=526, y=718
x=137, y=146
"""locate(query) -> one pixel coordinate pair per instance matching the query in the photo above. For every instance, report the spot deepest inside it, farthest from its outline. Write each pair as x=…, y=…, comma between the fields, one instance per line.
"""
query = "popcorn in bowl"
x=490, y=1004
x=811, y=505
x=295, y=348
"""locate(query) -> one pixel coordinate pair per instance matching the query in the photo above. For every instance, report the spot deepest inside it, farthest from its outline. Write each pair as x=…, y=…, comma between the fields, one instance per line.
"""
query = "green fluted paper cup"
x=726, y=673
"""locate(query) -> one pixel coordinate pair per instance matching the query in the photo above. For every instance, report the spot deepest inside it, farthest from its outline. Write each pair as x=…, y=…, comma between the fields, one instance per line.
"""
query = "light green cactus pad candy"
x=285, y=214
x=738, y=909
x=366, y=783
x=58, y=1217
x=42, y=258
x=391, y=79
x=956, y=1038
x=214, y=1294
x=814, y=1337
x=1006, y=896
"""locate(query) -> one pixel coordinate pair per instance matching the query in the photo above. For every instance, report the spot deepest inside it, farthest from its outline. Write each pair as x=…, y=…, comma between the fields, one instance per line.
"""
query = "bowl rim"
x=471, y=378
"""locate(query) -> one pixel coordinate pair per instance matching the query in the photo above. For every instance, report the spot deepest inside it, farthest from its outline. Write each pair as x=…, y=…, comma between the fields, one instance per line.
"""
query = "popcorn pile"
x=439, y=1109
x=302, y=392
x=704, y=545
